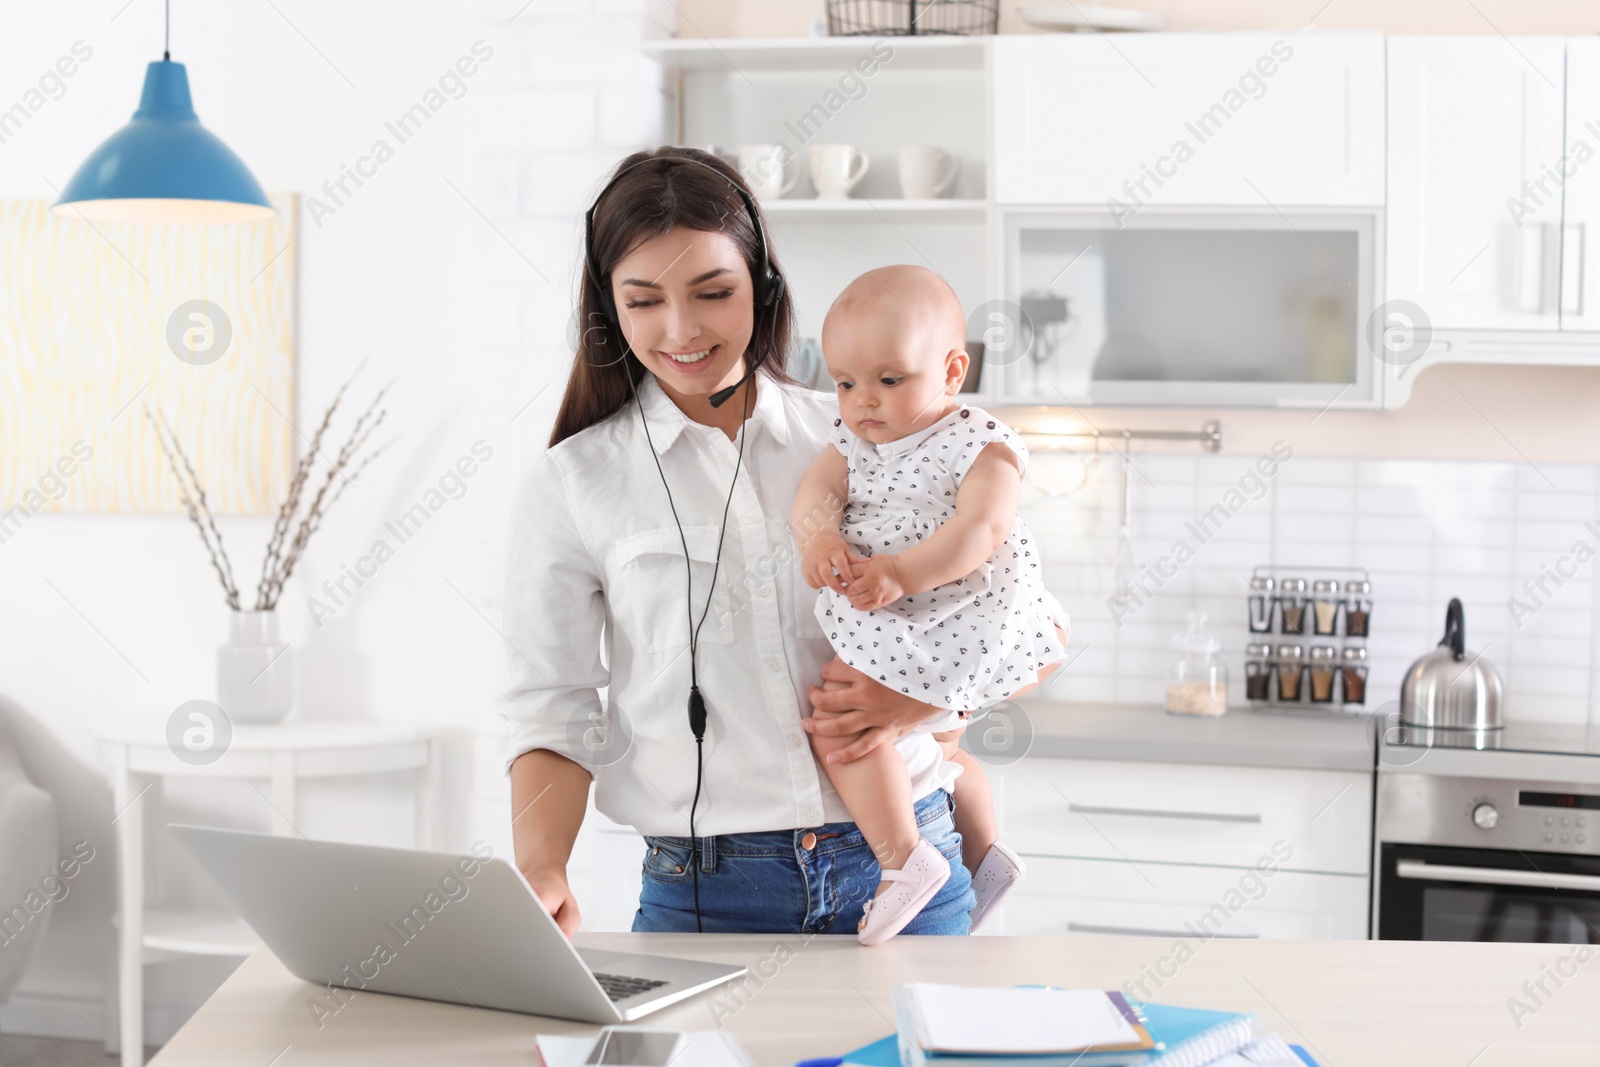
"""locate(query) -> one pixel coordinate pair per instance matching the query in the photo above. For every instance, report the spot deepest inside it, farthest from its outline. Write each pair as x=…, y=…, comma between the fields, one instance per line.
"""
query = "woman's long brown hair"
x=657, y=192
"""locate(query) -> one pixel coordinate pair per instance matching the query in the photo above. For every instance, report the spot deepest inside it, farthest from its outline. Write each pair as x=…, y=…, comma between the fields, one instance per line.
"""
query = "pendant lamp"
x=163, y=166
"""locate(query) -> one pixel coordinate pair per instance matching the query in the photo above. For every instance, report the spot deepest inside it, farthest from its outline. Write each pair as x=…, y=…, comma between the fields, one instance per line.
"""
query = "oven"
x=1486, y=859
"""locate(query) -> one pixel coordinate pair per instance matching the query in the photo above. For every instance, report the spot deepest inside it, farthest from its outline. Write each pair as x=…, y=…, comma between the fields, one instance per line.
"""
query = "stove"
x=1489, y=835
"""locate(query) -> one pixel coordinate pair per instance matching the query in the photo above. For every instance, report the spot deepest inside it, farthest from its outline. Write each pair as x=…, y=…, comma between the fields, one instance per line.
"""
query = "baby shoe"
x=909, y=892
x=999, y=872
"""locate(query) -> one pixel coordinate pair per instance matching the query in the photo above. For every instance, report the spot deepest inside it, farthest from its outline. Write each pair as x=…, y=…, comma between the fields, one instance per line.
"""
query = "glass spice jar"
x=1353, y=675
x=1323, y=661
x=1258, y=672
x=1357, y=608
x=1325, y=607
x=1262, y=602
x=1292, y=605
x=1291, y=672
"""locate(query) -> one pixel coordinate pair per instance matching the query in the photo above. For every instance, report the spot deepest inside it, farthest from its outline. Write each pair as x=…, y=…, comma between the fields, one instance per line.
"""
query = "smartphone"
x=620, y=1046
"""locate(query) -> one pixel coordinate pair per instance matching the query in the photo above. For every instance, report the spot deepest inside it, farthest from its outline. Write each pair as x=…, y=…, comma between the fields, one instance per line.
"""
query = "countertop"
x=1366, y=1003
x=1241, y=738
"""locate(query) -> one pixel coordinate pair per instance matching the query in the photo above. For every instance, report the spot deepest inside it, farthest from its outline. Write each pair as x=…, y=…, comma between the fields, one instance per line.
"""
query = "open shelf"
x=877, y=209
x=814, y=53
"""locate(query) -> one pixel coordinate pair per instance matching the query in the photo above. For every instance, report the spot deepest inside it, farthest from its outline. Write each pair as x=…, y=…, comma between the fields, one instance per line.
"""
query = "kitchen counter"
x=1372, y=1003
x=1241, y=738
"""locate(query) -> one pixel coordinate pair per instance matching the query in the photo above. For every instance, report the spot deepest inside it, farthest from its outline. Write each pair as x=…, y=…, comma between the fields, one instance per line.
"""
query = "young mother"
x=605, y=590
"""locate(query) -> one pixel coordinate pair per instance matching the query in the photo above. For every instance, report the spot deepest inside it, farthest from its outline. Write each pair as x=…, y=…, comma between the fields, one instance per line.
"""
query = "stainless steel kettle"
x=1446, y=690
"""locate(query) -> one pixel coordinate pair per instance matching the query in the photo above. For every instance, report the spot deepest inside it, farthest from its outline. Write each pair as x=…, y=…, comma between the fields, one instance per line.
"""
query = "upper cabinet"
x=1580, y=259
x=1475, y=177
x=1246, y=119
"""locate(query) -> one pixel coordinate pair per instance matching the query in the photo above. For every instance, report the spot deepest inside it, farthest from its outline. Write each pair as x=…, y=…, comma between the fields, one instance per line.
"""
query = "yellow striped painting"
x=99, y=321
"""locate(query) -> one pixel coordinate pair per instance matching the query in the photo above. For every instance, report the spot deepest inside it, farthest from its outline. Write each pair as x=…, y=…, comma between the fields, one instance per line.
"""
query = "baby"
x=931, y=583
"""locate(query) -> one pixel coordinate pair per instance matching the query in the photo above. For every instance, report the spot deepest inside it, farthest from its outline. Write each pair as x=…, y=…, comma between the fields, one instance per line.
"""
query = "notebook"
x=1265, y=1052
x=1194, y=1037
x=939, y=1021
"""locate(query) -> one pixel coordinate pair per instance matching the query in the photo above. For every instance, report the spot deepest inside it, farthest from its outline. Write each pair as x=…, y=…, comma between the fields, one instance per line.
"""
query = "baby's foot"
x=908, y=891
x=996, y=876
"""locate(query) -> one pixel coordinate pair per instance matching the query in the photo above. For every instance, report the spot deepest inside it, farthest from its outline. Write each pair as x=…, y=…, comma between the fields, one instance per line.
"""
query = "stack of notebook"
x=1033, y=1026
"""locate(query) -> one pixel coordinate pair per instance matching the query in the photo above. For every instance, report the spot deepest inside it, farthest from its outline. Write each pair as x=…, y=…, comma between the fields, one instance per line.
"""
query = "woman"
x=643, y=470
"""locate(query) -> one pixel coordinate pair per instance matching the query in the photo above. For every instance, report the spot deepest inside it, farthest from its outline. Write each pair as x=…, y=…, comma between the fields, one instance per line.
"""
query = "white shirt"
x=596, y=598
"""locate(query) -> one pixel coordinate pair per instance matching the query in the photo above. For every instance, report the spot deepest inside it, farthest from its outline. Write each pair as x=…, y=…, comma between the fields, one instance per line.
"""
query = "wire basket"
x=911, y=18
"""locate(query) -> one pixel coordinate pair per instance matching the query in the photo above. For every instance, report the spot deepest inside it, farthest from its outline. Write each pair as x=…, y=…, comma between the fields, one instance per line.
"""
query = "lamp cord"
x=166, y=39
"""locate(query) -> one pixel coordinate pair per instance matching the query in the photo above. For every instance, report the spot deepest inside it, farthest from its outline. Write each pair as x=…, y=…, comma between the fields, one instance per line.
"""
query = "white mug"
x=762, y=167
x=927, y=172
x=836, y=169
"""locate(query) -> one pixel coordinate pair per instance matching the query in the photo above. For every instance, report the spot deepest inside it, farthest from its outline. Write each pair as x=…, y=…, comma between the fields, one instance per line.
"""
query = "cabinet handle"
x=1140, y=931
x=1440, y=872
x=1574, y=257
x=1153, y=813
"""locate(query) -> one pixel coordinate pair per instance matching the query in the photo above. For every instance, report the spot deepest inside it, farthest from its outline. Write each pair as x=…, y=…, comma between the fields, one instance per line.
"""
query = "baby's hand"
x=823, y=557
x=875, y=582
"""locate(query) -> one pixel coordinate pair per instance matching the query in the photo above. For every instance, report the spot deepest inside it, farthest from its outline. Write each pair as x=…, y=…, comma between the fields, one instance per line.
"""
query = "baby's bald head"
x=908, y=303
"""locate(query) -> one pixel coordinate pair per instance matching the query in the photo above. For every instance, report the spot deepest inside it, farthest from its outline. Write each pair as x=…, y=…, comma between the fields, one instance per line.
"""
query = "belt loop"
x=708, y=854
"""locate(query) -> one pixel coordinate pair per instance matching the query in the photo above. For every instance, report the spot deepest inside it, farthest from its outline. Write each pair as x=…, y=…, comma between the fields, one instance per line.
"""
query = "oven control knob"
x=1484, y=816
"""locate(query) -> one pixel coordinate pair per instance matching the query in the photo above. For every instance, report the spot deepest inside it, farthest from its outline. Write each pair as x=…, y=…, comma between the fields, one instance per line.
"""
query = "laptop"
x=456, y=928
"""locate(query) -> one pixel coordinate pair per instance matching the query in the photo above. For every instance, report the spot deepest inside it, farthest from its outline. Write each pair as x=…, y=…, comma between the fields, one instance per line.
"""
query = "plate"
x=1074, y=18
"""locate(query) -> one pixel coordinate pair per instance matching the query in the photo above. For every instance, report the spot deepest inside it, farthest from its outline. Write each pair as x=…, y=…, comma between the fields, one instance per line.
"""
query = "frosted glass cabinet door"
x=1474, y=125
x=1580, y=249
x=1183, y=119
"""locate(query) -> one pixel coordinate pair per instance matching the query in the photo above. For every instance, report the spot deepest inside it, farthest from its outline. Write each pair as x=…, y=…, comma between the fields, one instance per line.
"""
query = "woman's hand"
x=553, y=892
x=850, y=702
x=827, y=562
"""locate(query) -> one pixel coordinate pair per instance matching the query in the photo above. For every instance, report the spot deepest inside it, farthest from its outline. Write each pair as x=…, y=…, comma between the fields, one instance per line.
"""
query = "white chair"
x=28, y=874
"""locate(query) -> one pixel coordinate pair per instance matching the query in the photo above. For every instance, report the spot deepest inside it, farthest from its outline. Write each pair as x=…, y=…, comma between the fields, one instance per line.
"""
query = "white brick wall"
x=571, y=95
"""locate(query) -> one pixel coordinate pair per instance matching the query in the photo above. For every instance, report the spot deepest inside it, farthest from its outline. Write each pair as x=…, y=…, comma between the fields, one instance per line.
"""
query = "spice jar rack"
x=1308, y=632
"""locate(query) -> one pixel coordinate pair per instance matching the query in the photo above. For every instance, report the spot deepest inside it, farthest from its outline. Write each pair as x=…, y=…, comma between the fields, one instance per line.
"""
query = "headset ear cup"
x=774, y=288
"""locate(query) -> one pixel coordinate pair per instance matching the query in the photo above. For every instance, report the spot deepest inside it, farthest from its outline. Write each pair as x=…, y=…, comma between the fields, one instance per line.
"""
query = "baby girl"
x=931, y=583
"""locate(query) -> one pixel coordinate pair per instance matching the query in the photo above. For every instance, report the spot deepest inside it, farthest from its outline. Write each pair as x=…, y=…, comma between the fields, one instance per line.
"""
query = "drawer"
x=1189, y=813
x=1066, y=896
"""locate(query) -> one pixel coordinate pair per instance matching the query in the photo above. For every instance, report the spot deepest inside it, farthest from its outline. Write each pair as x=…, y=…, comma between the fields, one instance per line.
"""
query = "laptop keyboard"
x=621, y=986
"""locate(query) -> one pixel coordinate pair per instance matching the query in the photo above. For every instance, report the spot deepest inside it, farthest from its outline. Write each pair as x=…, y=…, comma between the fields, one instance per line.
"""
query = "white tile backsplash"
x=1425, y=530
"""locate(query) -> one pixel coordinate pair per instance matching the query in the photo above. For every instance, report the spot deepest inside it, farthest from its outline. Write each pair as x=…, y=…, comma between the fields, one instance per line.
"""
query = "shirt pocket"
x=646, y=588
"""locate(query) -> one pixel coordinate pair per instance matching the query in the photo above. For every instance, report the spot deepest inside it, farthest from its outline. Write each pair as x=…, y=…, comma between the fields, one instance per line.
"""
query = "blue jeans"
x=771, y=883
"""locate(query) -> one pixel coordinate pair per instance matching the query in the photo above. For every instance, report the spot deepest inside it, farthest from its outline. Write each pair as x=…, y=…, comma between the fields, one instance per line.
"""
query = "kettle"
x=1445, y=690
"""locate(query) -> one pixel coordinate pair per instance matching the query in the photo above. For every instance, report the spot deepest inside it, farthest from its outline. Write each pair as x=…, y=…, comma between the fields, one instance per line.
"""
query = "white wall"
x=449, y=273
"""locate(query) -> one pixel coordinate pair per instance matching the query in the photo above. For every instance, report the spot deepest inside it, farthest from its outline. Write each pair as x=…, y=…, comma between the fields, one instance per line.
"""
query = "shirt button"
x=776, y=665
x=794, y=742
x=814, y=815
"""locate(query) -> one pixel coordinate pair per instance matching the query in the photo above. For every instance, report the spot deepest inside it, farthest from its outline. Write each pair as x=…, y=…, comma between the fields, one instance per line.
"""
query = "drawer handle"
x=1152, y=813
x=1139, y=931
x=1441, y=872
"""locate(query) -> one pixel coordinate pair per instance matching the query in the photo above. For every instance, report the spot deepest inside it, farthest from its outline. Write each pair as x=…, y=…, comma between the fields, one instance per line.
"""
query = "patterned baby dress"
x=965, y=644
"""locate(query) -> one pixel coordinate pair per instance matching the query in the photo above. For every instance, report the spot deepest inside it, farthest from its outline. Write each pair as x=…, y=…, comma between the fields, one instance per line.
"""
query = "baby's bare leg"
x=877, y=790
x=974, y=816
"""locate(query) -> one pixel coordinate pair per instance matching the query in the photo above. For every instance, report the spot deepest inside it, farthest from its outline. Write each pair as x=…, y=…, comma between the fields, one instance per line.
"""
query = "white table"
x=1353, y=1003
x=136, y=754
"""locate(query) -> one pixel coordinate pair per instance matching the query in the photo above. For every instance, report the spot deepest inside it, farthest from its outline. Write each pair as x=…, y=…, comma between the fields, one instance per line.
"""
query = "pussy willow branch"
x=319, y=503
x=223, y=567
x=291, y=504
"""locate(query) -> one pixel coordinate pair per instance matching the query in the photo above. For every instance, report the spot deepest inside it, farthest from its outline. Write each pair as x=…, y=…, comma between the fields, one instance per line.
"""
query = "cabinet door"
x=1171, y=901
x=1189, y=119
x=1475, y=126
x=1580, y=166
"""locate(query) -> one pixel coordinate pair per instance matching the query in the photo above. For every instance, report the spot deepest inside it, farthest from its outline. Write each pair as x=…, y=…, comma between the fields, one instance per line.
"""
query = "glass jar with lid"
x=1291, y=673
x=1258, y=673
x=1198, y=683
x=1357, y=608
x=1324, y=664
x=1353, y=674
x=1292, y=605
x=1325, y=607
x=1262, y=602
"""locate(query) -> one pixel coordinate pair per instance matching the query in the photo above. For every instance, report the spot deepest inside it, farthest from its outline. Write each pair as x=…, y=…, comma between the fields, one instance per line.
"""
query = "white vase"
x=255, y=682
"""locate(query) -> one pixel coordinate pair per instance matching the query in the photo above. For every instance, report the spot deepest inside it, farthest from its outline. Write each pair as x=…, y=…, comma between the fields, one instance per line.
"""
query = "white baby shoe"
x=911, y=888
x=997, y=875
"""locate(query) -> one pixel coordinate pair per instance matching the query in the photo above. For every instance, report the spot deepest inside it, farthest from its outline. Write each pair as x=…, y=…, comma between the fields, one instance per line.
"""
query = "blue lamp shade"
x=164, y=166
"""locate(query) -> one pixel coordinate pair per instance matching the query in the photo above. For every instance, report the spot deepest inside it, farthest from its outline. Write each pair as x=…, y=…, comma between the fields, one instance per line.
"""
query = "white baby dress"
x=965, y=644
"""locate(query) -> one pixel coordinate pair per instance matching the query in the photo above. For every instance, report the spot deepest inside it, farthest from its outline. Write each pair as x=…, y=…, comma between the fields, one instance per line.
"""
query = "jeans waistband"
x=782, y=842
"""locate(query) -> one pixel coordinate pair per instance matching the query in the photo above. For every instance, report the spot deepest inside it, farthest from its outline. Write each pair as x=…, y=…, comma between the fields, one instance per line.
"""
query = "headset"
x=768, y=287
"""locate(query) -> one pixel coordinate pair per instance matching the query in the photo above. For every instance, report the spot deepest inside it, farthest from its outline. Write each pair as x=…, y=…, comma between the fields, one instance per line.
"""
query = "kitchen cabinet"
x=1230, y=119
x=1580, y=247
x=1126, y=847
x=1475, y=143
